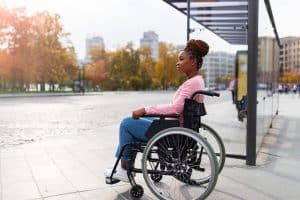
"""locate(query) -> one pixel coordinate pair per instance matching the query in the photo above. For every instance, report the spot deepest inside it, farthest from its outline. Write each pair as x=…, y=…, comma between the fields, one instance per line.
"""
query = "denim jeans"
x=132, y=130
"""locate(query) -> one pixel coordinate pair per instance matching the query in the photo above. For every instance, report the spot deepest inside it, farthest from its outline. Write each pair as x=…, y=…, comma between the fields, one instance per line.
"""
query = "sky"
x=122, y=21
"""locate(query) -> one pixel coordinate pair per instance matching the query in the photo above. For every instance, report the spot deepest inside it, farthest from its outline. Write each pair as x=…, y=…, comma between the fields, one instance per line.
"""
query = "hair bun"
x=198, y=46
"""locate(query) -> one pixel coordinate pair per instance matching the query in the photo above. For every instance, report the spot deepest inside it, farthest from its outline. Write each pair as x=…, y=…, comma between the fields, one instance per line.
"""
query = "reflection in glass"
x=267, y=74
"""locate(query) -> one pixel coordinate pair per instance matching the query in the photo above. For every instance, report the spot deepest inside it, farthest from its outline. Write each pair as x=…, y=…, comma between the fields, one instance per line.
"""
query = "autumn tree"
x=290, y=77
x=4, y=70
x=146, y=69
x=123, y=67
x=37, y=49
x=68, y=65
x=96, y=71
x=15, y=38
x=165, y=72
x=52, y=58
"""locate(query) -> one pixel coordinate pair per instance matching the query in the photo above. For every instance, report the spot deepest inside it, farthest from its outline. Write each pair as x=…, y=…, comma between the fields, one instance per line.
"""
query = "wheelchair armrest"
x=206, y=92
x=162, y=116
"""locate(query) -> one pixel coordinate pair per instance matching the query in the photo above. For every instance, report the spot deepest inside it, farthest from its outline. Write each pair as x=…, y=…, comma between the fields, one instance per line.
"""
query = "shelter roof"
x=226, y=18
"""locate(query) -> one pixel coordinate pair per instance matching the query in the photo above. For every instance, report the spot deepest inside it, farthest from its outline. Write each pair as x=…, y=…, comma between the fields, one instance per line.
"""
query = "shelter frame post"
x=188, y=20
x=252, y=82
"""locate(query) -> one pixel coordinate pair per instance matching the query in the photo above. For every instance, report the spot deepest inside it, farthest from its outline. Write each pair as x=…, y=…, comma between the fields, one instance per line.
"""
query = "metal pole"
x=252, y=82
x=188, y=20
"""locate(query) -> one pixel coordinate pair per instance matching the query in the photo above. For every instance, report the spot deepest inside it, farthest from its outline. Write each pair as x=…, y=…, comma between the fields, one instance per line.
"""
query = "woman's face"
x=185, y=64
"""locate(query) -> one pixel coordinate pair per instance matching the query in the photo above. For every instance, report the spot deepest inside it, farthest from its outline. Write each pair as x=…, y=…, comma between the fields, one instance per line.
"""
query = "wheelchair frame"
x=193, y=115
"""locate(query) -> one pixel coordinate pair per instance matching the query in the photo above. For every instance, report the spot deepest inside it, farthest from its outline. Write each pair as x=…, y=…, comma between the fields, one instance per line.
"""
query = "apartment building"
x=289, y=54
x=150, y=38
x=217, y=64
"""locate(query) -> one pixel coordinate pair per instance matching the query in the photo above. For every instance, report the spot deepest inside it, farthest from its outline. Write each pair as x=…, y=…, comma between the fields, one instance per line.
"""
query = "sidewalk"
x=71, y=167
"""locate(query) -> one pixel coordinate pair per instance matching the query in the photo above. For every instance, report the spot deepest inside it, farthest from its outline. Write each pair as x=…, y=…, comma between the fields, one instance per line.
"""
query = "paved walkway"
x=71, y=167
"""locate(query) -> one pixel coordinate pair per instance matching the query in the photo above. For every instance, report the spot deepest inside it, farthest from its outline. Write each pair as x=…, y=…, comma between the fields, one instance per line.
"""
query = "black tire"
x=218, y=146
x=137, y=191
x=156, y=177
x=179, y=177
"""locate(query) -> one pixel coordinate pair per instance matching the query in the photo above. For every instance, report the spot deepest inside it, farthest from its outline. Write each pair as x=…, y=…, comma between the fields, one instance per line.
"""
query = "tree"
x=52, y=58
x=16, y=38
x=37, y=48
x=165, y=72
x=97, y=71
x=290, y=77
x=146, y=69
x=123, y=64
x=4, y=69
x=69, y=66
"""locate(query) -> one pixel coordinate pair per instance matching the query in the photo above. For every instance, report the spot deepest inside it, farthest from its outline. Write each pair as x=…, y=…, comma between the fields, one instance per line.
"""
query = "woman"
x=134, y=128
x=233, y=87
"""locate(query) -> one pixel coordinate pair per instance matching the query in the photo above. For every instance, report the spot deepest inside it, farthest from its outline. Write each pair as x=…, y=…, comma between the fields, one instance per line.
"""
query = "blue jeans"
x=132, y=130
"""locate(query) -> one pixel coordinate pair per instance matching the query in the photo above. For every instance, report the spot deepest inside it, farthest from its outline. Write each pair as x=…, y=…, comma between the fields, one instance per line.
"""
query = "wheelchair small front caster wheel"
x=156, y=177
x=137, y=191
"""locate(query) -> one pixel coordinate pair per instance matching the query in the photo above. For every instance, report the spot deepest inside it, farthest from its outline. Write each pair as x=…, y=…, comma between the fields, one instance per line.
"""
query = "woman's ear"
x=194, y=62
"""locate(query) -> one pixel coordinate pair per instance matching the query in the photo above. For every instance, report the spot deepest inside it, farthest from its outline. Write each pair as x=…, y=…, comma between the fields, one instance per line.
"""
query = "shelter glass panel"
x=267, y=74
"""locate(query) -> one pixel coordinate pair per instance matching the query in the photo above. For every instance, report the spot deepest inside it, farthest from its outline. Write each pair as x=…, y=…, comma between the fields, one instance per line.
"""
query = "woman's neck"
x=192, y=74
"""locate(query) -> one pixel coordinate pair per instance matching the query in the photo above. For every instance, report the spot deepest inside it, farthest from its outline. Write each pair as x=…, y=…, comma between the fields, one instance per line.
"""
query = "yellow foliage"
x=165, y=69
x=290, y=77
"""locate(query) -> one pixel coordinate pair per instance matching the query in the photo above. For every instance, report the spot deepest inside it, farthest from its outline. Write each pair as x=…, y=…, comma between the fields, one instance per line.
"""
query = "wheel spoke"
x=177, y=174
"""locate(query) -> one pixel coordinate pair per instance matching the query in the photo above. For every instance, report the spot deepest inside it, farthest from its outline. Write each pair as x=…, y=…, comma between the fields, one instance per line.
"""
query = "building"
x=218, y=64
x=180, y=47
x=267, y=53
x=92, y=42
x=150, y=38
x=289, y=54
x=267, y=60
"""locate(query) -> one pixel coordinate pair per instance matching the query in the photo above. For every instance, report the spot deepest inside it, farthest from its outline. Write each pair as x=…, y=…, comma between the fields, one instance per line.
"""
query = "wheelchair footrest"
x=111, y=181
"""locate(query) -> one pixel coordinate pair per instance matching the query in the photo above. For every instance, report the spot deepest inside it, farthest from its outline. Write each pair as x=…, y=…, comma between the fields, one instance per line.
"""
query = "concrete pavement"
x=71, y=167
x=45, y=94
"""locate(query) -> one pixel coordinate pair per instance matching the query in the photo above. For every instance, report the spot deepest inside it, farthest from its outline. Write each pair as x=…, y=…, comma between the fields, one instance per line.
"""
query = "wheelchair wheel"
x=156, y=177
x=175, y=150
x=215, y=142
x=137, y=191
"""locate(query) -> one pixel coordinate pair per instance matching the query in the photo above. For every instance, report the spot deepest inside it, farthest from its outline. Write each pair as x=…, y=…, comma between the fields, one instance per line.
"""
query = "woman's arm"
x=176, y=107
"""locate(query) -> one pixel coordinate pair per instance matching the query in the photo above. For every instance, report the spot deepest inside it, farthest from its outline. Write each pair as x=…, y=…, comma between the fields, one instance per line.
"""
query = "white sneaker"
x=120, y=174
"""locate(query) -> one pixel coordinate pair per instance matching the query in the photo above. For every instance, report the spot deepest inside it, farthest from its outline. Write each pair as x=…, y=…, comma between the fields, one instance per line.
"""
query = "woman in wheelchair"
x=176, y=160
x=134, y=128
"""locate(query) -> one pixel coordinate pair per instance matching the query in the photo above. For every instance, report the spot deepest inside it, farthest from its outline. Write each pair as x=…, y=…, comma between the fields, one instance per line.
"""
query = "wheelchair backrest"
x=192, y=113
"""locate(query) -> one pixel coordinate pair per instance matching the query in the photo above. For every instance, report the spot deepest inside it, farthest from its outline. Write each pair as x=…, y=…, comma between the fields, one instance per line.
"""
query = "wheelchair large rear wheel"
x=215, y=142
x=174, y=154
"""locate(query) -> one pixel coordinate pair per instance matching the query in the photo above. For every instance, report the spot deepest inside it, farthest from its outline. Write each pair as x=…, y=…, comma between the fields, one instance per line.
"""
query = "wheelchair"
x=177, y=162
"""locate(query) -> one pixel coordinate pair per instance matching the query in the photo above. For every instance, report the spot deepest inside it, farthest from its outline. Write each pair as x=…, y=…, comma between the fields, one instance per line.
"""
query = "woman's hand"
x=136, y=114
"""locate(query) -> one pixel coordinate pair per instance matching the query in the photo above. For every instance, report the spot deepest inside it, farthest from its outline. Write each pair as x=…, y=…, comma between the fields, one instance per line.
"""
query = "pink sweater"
x=183, y=92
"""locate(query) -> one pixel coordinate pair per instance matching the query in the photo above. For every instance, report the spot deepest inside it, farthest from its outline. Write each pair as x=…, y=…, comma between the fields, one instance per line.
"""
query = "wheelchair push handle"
x=206, y=92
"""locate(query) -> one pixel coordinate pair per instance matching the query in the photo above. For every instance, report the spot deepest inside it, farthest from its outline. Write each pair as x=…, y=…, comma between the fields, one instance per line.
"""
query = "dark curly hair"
x=197, y=49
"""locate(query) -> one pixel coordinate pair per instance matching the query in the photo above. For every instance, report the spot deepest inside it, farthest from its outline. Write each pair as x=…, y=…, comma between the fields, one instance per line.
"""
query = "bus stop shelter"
x=237, y=22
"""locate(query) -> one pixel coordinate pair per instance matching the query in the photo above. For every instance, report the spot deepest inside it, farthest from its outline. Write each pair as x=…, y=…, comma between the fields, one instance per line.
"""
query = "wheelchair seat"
x=192, y=113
